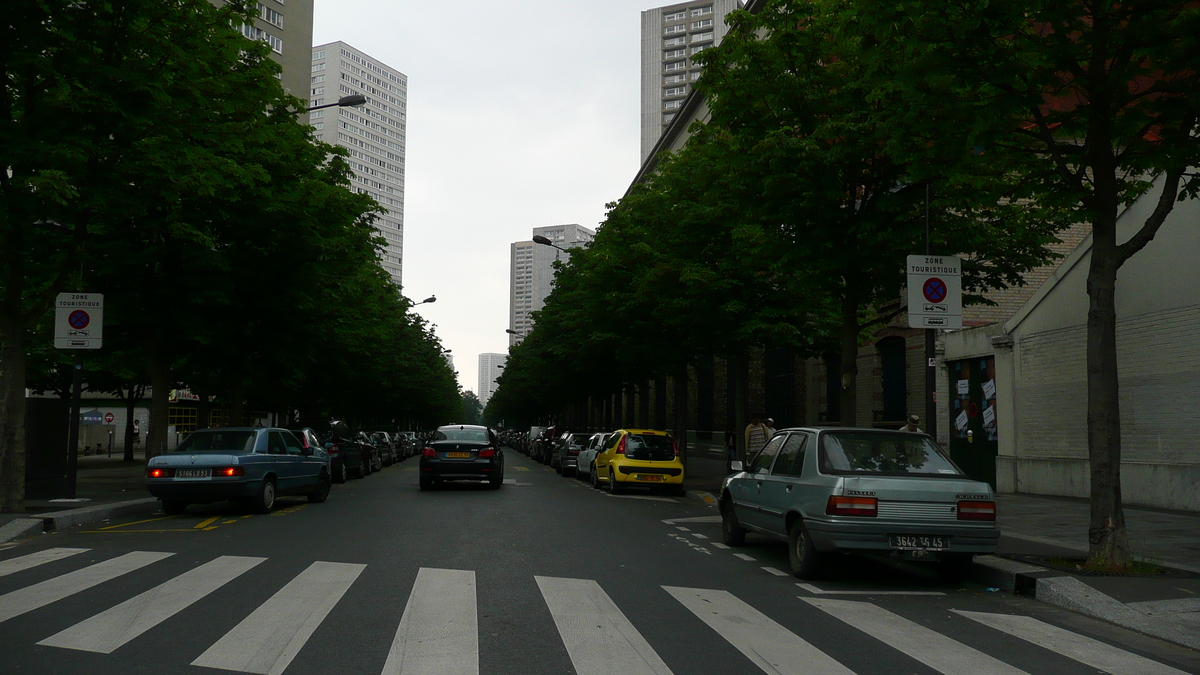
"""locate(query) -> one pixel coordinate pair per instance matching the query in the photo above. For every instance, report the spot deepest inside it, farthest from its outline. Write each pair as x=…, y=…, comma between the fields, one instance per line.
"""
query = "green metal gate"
x=973, y=440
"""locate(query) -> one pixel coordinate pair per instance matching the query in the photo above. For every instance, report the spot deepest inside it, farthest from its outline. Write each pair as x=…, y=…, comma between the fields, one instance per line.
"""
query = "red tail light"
x=487, y=452
x=160, y=473
x=334, y=450
x=428, y=452
x=621, y=446
x=230, y=471
x=977, y=510
x=852, y=506
x=675, y=446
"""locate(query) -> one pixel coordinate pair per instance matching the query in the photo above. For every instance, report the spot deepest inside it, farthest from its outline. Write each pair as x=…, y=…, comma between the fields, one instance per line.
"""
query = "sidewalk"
x=104, y=487
x=1035, y=527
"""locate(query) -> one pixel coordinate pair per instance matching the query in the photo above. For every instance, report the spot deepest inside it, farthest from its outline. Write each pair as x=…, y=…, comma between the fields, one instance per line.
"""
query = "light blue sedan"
x=242, y=464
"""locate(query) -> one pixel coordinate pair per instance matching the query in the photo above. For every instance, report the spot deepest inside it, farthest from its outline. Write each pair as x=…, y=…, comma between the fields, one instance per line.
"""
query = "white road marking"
x=110, y=629
x=599, y=639
x=935, y=650
x=817, y=591
x=643, y=497
x=778, y=573
x=25, y=562
x=1085, y=650
x=770, y=646
x=439, y=632
x=697, y=519
x=719, y=545
x=266, y=641
x=39, y=595
x=682, y=528
x=699, y=536
x=743, y=556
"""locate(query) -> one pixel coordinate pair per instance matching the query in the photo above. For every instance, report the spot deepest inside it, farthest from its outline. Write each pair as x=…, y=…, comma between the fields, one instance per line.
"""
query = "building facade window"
x=674, y=16
x=697, y=50
x=675, y=42
x=317, y=56
x=674, y=79
x=675, y=91
x=701, y=11
x=702, y=24
x=678, y=65
x=672, y=105
x=702, y=37
x=675, y=54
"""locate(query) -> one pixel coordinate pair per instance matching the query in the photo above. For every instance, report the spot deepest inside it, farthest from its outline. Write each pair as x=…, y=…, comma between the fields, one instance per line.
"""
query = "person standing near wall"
x=756, y=436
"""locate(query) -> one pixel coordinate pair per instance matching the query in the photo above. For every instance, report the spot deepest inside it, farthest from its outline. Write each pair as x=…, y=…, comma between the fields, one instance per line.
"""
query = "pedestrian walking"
x=913, y=421
x=770, y=423
x=137, y=434
x=756, y=436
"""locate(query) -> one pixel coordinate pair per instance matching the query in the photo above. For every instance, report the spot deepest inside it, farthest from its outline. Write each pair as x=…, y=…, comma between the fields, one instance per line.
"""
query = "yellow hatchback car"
x=640, y=457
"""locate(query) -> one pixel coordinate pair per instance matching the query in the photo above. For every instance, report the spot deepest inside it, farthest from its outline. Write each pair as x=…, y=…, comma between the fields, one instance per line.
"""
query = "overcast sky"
x=521, y=114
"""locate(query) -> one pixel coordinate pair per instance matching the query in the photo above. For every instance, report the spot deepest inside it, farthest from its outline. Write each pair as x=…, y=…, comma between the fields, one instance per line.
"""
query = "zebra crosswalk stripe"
x=767, y=644
x=266, y=641
x=599, y=638
x=14, y=565
x=1083, y=649
x=935, y=650
x=439, y=632
x=41, y=594
x=108, y=630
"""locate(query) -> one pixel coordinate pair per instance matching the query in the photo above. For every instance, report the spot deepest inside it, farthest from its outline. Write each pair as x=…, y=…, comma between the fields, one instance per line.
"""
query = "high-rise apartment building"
x=532, y=273
x=287, y=28
x=373, y=133
x=671, y=36
x=490, y=368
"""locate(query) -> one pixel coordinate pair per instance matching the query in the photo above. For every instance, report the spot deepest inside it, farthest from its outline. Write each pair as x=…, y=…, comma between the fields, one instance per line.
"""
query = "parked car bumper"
x=859, y=536
x=649, y=473
x=469, y=469
x=200, y=491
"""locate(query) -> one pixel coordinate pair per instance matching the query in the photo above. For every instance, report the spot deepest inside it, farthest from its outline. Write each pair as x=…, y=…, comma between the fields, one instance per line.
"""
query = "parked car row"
x=254, y=465
x=615, y=461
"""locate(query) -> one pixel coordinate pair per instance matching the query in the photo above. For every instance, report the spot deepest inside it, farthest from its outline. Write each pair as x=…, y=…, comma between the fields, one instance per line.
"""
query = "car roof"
x=461, y=426
x=652, y=432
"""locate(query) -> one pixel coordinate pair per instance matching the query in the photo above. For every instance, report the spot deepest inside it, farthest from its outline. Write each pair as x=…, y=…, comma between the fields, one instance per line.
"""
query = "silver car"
x=583, y=465
x=827, y=491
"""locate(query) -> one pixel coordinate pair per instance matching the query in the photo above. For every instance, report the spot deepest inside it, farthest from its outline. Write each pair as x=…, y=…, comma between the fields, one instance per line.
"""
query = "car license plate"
x=193, y=473
x=918, y=542
x=458, y=455
x=651, y=477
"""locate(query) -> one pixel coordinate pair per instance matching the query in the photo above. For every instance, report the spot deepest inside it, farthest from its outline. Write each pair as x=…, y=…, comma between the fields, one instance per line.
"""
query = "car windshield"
x=867, y=452
x=461, y=434
x=218, y=441
x=650, y=447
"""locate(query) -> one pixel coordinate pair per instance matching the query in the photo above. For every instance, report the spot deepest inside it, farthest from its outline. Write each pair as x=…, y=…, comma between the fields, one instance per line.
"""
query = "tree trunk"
x=849, y=348
x=12, y=417
x=630, y=406
x=237, y=406
x=136, y=393
x=681, y=415
x=739, y=412
x=159, y=370
x=660, y=401
x=1107, y=537
x=644, y=405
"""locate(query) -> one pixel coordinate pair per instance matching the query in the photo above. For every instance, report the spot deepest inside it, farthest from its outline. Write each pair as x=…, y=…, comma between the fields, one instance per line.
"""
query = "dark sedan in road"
x=462, y=452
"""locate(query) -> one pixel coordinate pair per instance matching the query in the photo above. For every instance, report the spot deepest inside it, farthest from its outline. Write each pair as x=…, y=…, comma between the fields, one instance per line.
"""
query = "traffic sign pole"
x=930, y=341
x=73, y=436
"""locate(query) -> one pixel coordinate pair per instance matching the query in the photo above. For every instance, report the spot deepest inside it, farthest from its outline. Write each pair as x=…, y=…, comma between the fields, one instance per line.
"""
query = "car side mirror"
x=736, y=465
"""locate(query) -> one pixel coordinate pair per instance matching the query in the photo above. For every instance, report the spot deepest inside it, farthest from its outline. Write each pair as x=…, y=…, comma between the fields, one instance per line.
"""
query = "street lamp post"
x=426, y=301
x=350, y=101
x=539, y=239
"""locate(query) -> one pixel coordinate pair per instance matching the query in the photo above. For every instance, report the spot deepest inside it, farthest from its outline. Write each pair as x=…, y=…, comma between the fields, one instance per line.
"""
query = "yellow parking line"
x=138, y=522
x=205, y=524
x=229, y=522
x=521, y=468
x=133, y=531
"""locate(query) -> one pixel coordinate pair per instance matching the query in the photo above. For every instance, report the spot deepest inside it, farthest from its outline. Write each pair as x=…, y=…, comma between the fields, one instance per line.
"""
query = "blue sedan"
x=247, y=465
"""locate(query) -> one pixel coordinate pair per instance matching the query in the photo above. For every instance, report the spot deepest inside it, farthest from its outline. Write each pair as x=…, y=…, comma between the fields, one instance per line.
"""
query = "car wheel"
x=172, y=507
x=265, y=499
x=803, y=557
x=954, y=566
x=731, y=530
x=614, y=485
x=558, y=469
x=496, y=481
x=368, y=467
x=339, y=473
x=677, y=491
x=426, y=483
x=322, y=492
x=595, y=478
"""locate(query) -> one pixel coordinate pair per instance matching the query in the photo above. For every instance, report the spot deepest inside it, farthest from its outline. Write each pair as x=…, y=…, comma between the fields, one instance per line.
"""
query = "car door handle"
x=760, y=483
x=787, y=489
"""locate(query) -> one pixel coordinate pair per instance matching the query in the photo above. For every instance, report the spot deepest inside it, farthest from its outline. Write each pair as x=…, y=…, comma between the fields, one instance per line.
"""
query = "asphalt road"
x=544, y=575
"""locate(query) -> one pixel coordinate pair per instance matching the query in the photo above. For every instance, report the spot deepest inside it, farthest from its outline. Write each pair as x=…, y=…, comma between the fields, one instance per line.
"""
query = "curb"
x=57, y=520
x=1065, y=591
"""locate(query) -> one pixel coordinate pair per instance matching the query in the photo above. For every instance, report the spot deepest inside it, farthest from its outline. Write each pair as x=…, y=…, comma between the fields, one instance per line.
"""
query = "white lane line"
x=642, y=497
x=439, y=632
x=1085, y=650
x=39, y=595
x=770, y=646
x=110, y=629
x=818, y=591
x=682, y=529
x=699, y=536
x=778, y=573
x=743, y=556
x=599, y=639
x=935, y=650
x=14, y=565
x=718, y=545
x=266, y=641
x=696, y=519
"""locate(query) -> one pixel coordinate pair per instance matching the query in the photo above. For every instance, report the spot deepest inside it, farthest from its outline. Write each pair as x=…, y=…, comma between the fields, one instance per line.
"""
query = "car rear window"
x=866, y=452
x=461, y=434
x=218, y=441
x=647, y=447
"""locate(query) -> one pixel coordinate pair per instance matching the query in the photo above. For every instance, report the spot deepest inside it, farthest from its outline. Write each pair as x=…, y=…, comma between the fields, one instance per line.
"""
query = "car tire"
x=558, y=469
x=173, y=507
x=322, y=492
x=264, y=501
x=677, y=491
x=732, y=532
x=803, y=557
x=339, y=473
x=426, y=483
x=614, y=485
x=368, y=467
x=595, y=479
x=497, y=480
